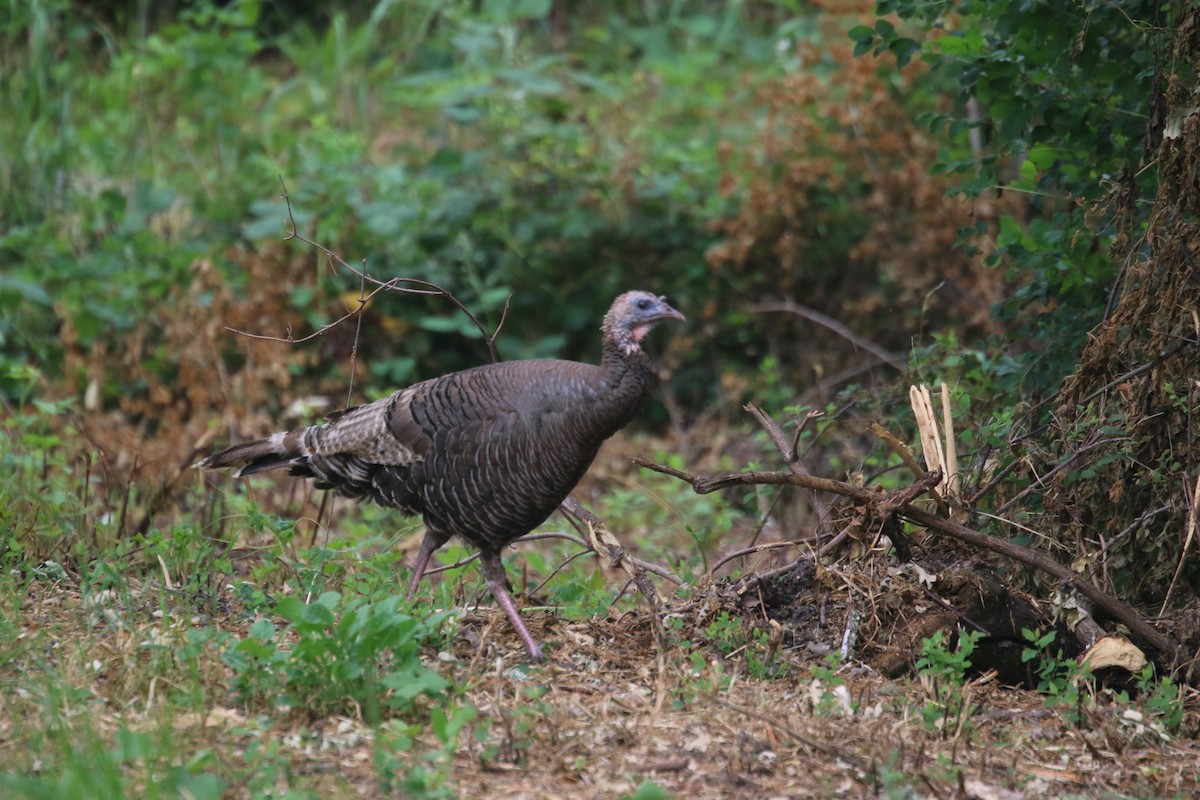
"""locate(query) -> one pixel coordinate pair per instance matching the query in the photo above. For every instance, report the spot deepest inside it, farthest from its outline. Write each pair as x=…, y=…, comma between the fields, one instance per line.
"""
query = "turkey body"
x=487, y=453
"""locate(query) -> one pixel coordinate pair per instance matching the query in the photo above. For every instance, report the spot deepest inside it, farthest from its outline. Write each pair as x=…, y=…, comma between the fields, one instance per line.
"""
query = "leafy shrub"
x=841, y=214
x=1049, y=113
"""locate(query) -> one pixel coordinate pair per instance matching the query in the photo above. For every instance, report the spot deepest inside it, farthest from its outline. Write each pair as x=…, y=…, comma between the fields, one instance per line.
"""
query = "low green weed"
x=828, y=691
x=410, y=771
x=1064, y=683
x=648, y=790
x=71, y=759
x=1154, y=704
x=516, y=726
x=943, y=673
x=577, y=593
x=1159, y=699
x=338, y=657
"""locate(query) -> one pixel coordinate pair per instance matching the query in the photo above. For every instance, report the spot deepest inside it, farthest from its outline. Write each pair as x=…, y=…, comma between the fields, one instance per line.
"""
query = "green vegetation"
x=944, y=674
x=1051, y=108
x=1154, y=707
x=978, y=193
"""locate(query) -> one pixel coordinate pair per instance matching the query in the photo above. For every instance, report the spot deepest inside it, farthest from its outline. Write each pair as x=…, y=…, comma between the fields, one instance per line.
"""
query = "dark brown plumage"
x=486, y=453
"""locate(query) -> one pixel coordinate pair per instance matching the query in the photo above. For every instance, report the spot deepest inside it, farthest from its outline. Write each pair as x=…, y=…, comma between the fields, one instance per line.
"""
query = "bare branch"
x=289, y=339
x=1120, y=610
x=748, y=551
x=362, y=303
x=792, y=459
x=901, y=503
x=893, y=360
x=566, y=562
x=1040, y=483
x=402, y=285
x=706, y=484
x=604, y=542
x=462, y=562
x=1193, y=506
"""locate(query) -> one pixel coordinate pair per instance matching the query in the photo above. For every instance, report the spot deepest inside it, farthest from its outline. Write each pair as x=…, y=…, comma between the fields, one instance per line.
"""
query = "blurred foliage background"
x=843, y=196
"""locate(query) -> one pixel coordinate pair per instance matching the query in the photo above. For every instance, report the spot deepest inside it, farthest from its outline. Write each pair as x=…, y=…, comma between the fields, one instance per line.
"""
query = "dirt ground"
x=611, y=713
x=618, y=714
x=608, y=712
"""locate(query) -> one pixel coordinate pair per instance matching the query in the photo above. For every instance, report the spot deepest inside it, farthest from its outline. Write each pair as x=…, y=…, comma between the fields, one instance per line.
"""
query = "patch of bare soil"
x=616, y=713
x=776, y=718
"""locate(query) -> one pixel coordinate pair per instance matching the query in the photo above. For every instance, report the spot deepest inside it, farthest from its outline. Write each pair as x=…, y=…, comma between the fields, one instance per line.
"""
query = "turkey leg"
x=493, y=574
x=432, y=541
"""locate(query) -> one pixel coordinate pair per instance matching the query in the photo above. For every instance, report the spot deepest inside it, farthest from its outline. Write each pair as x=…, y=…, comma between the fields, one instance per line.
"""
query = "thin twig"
x=812, y=744
x=402, y=285
x=529, y=537
x=362, y=288
x=535, y=537
x=748, y=551
x=748, y=582
x=462, y=562
x=1040, y=483
x=707, y=484
x=792, y=459
x=1120, y=610
x=996, y=480
x=1130, y=528
x=1117, y=381
x=1193, y=504
x=766, y=517
x=571, y=509
x=289, y=339
x=1120, y=279
x=893, y=360
x=560, y=567
x=602, y=541
x=962, y=617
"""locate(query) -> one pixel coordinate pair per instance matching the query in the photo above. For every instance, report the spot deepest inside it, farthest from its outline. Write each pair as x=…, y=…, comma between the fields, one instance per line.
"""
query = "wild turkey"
x=487, y=453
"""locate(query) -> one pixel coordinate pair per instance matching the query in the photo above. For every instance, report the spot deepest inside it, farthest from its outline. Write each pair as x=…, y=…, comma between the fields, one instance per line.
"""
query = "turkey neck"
x=625, y=380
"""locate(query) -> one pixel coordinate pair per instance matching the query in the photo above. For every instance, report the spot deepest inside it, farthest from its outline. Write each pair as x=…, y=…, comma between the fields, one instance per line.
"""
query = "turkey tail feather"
x=279, y=450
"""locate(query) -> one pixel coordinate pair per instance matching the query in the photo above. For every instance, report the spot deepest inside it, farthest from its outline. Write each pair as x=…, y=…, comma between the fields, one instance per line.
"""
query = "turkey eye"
x=643, y=304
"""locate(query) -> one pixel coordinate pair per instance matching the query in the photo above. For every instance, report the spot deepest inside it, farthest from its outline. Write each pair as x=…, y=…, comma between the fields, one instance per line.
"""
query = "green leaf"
x=200, y=786
x=413, y=681
x=132, y=745
x=861, y=33
x=295, y=611
x=952, y=45
x=904, y=49
x=262, y=630
x=1043, y=157
x=28, y=290
x=446, y=728
x=649, y=790
x=256, y=648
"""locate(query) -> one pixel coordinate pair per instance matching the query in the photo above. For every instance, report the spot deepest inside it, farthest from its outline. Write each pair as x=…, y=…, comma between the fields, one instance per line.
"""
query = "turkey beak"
x=666, y=312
